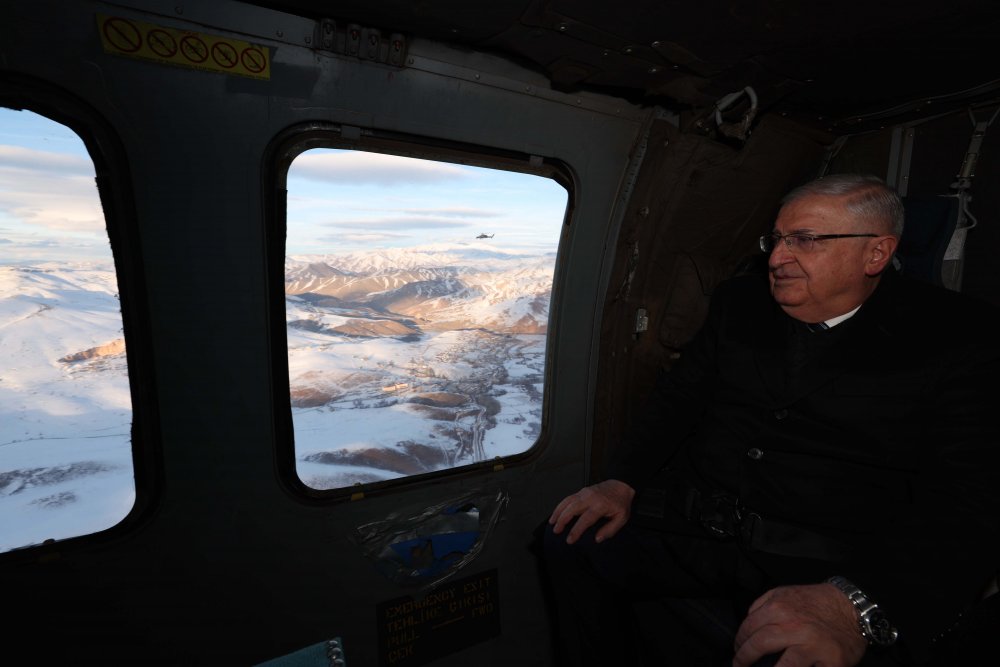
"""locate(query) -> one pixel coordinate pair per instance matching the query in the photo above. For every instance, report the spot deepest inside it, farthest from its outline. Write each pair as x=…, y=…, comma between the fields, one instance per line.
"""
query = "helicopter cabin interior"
x=664, y=134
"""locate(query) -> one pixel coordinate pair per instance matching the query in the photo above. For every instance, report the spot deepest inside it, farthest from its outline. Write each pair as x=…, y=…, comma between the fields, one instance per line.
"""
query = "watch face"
x=880, y=629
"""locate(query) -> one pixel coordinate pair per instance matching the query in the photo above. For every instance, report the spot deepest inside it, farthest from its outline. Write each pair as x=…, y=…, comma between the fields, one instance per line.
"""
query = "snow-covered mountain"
x=447, y=287
x=446, y=342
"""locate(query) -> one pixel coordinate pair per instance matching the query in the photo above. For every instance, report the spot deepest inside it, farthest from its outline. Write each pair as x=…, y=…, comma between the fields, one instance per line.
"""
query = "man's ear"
x=880, y=254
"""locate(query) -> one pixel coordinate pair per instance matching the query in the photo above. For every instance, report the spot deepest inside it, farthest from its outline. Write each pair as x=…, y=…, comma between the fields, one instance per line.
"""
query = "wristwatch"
x=875, y=626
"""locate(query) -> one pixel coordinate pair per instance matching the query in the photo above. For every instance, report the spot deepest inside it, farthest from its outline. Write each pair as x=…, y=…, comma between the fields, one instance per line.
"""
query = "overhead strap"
x=954, y=253
x=741, y=128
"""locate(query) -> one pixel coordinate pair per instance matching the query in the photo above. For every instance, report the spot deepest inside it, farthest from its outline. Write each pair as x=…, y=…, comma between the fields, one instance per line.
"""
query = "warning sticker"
x=416, y=631
x=197, y=50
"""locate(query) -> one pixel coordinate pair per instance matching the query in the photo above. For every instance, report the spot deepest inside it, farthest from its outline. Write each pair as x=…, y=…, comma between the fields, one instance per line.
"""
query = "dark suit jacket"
x=887, y=438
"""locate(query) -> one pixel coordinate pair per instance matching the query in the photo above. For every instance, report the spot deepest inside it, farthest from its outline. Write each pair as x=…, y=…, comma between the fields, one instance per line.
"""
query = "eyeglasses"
x=803, y=243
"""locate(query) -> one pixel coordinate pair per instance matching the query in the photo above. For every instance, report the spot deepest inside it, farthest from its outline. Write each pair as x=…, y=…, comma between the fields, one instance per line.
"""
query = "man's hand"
x=610, y=499
x=813, y=625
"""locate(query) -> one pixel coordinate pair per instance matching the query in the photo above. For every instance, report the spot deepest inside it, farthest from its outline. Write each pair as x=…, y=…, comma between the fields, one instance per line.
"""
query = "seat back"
x=930, y=224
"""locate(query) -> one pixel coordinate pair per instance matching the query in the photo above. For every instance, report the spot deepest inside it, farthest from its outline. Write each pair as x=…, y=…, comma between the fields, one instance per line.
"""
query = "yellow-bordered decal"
x=184, y=48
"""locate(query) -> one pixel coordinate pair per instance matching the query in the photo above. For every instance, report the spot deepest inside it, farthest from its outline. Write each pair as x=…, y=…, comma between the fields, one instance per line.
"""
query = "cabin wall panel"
x=230, y=567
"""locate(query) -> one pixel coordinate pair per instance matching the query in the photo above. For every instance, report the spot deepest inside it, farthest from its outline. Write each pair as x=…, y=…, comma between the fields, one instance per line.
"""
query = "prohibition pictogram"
x=183, y=48
x=194, y=49
x=224, y=55
x=253, y=59
x=122, y=35
x=162, y=43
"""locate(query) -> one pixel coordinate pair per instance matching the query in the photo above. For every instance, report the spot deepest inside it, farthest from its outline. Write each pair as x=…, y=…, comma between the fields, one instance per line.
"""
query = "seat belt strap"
x=955, y=251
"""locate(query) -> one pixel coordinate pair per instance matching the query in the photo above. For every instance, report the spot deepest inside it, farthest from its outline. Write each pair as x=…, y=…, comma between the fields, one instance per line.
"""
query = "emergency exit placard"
x=184, y=48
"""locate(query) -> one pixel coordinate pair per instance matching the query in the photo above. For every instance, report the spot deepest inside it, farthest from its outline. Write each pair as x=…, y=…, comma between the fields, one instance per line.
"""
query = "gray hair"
x=868, y=198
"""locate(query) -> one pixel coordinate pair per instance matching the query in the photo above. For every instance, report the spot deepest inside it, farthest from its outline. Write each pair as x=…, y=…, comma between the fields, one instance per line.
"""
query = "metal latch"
x=362, y=42
x=641, y=321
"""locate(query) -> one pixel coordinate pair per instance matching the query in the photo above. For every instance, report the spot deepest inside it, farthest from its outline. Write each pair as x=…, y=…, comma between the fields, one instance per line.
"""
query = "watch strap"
x=866, y=608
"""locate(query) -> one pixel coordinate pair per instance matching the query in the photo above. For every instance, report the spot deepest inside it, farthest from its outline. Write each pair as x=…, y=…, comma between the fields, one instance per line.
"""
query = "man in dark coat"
x=822, y=459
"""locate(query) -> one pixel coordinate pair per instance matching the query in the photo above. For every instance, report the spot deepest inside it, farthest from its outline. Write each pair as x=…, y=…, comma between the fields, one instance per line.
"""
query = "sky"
x=49, y=209
x=344, y=199
x=338, y=201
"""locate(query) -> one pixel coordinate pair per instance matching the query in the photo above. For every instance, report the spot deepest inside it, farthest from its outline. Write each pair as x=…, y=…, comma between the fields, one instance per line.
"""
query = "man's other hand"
x=813, y=625
x=610, y=499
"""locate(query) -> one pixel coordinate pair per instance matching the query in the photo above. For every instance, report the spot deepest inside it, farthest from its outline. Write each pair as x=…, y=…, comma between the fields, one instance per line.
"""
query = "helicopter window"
x=66, y=466
x=417, y=298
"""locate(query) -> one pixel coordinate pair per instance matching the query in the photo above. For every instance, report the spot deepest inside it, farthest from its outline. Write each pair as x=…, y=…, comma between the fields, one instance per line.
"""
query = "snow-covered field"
x=400, y=365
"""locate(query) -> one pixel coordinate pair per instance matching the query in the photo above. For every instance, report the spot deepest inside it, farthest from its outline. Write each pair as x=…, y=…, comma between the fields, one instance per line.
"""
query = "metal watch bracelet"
x=872, y=621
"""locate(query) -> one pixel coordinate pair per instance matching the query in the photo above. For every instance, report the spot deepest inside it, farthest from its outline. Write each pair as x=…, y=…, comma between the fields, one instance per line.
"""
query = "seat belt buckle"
x=720, y=515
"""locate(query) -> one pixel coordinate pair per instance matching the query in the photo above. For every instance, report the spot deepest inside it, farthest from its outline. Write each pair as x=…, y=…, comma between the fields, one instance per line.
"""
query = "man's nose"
x=780, y=255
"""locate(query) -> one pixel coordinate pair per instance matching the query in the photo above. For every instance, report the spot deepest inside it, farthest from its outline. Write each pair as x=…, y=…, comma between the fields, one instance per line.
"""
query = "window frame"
x=278, y=157
x=116, y=194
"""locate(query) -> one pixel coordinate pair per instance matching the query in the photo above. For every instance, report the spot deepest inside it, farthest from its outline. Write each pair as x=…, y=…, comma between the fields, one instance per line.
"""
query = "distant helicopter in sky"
x=485, y=236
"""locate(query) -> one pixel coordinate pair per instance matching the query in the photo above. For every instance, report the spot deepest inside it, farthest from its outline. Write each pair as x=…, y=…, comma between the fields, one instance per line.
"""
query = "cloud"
x=32, y=243
x=456, y=212
x=360, y=168
x=34, y=249
x=361, y=237
x=16, y=157
x=56, y=212
x=402, y=222
x=303, y=205
x=62, y=200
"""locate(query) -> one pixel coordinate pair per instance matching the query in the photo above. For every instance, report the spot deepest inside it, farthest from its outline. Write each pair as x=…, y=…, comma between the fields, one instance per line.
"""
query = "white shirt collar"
x=834, y=321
